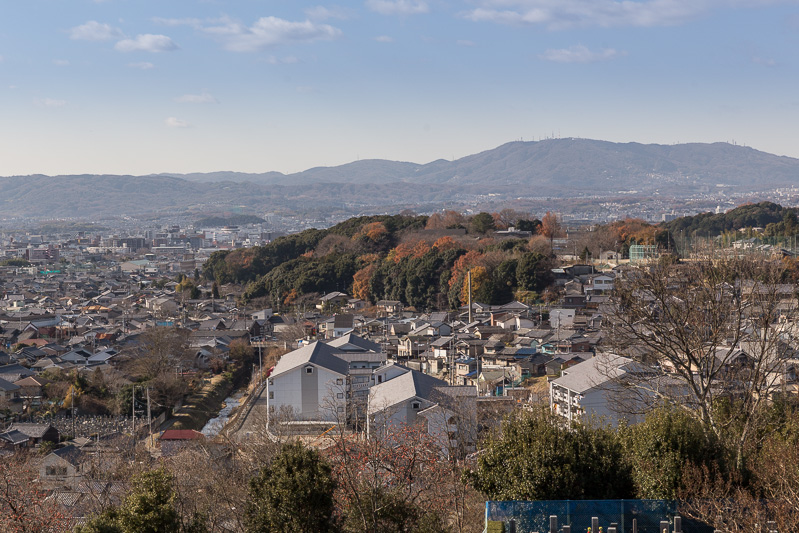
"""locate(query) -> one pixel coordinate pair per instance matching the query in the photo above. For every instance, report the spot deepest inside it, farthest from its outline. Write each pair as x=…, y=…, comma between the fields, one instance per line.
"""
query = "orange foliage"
x=290, y=297
x=635, y=228
x=360, y=281
x=420, y=249
x=445, y=243
x=402, y=251
x=374, y=231
x=462, y=264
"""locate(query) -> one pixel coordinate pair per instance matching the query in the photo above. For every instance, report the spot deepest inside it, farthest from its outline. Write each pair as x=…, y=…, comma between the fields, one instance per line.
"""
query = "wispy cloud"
x=61, y=62
x=328, y=12
x=562, y=14
x=51, y=102
x=765, y=61
x=398, y=7
x=94, y=31
x=579, y=54
x=202, y=98
x=464, y=42
x=174, y=122
x=147, y=43
x=288, y=60
x=384, y=39
x=268, y=32
x=194, y=22
x=141, y=65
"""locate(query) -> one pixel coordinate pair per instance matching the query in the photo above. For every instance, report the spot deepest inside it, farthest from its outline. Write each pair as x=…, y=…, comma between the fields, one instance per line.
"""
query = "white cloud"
x=174, y=122
x=141, y=65
x=268, y=32
x=579, y=54
x=384, y=39
x=94, y=31
x=325, y=13
x=61, y=62
x=398, y=7
x=203, y=98
x=561, y=14
x=147, y=43
x=288, y=60
x=178, y=22
x=51, y=102
x=464, y=42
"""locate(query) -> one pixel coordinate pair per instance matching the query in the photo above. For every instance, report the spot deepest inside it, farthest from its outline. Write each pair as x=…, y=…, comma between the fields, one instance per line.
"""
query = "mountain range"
x=559, y=168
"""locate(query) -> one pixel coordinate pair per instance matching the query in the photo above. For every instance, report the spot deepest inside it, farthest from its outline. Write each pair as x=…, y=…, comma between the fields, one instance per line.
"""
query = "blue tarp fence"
x=533, y=516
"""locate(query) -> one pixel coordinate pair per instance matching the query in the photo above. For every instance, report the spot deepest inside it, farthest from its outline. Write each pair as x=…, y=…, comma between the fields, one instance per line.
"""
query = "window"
x=56, y=470
x=380, y=379
x=340, y=395
x=271, y=381
x=309, y=370
x=340, y=409
x=416, y=405
x=339, y=381
x=271, y=395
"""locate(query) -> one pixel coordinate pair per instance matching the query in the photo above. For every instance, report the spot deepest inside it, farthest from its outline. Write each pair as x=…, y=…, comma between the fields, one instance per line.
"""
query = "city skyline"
x=114, y=86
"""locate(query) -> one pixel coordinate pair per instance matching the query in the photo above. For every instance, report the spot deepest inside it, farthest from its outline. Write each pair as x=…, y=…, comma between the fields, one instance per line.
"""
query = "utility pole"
x=469, y=297
x=149, y=416
x=72, y=396
x=133, y=411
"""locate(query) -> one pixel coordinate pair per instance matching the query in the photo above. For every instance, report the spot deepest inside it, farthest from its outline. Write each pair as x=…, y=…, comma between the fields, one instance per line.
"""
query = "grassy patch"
x=203, y=405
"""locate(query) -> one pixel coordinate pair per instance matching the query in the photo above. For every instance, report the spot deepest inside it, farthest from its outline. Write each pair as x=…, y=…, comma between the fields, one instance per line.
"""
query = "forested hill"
x=418, y=260
x=775, y=219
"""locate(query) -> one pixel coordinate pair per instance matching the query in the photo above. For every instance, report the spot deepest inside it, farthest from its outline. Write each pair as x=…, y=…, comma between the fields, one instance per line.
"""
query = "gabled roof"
x=14, y=437
x=593, y=373
x=31, y=381
x=353, y=343
x=15, y=369
x=411, y=384
x=36, y=431
x=7, y=386
x=70, y=453
x=317, y=353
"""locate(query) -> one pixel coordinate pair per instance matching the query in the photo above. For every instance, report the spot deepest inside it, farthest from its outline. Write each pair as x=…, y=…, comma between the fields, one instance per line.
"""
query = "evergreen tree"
x=294, y=494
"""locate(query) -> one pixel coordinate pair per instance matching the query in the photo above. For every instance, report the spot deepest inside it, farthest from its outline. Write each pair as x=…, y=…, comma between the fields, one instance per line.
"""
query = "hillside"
x=560, y=168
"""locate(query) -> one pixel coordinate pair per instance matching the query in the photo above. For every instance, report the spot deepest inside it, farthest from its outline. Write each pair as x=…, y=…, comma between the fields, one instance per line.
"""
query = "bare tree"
x=716, y=331
x=24, y=507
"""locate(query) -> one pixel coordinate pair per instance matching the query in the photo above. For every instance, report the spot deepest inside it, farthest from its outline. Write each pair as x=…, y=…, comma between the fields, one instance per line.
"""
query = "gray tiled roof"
x=317, y=353
x=593, y=372
x=403, y=387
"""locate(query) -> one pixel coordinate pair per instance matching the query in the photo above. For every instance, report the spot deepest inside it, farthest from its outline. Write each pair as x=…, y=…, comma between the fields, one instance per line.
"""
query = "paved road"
x=254, y=421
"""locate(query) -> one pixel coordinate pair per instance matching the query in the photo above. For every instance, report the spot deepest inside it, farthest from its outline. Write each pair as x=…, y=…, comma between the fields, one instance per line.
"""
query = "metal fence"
x=534, y=516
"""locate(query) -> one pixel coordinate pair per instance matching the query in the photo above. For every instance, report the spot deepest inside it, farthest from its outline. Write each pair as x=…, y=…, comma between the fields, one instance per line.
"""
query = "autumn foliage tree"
x=550, y=227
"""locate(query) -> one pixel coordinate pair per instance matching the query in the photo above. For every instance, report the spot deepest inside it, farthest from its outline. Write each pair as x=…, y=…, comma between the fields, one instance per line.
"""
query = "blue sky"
x=140, y=86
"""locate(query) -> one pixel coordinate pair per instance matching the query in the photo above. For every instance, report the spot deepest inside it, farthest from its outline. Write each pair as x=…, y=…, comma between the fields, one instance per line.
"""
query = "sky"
x=140, y=86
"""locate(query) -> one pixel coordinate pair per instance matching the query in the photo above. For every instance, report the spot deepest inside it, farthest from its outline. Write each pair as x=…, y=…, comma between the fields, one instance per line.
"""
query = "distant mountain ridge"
x=550, y=168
